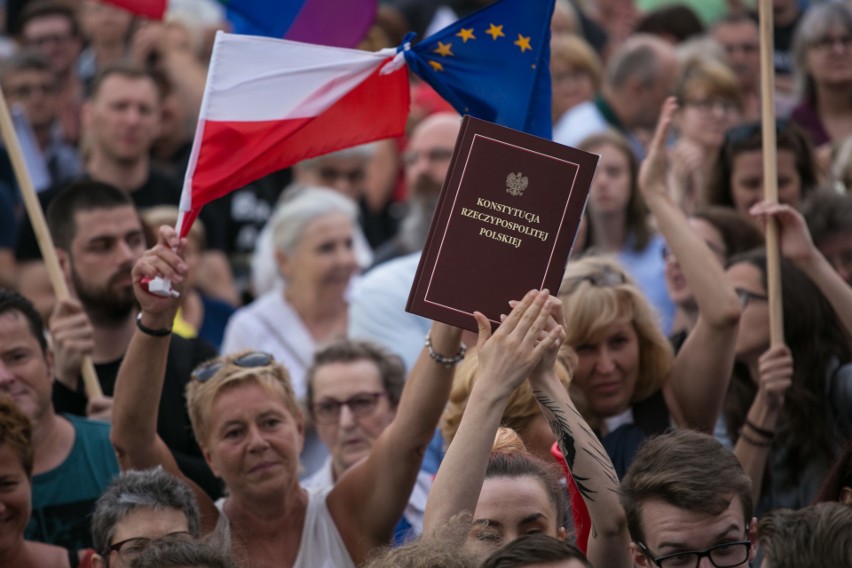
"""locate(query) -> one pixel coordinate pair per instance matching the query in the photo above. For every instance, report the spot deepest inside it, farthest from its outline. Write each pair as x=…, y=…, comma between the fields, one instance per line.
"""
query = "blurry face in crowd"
x=123, y=118
x=427, y=157
x=509, y=508
x=345, y=175
x=134, y=533
x=15, y=504
x=753, y=333
x=747, y=179
x=828, y=58
x=678, y=288
x=35, y=91
x=654, y=95
x=705, y=118
x=25, y=370
x=324, y=257
x=610, y=191
x=53, y=36
x=741, y=41
x=608, y=368
x=571, y=86
x=102, y=22
x=351, y=437
x=837, y=248
x=107, y=245
x=254, y=441
x=670, y=530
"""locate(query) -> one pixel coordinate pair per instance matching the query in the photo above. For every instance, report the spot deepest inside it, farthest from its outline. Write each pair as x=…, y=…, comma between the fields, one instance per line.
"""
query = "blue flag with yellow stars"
x=493, y=64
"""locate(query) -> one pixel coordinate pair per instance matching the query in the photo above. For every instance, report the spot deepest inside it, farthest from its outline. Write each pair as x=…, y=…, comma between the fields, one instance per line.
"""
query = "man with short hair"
x=138, y=508
x=818, y=536
x=638, y=78
x=739, y=36
x=829, y=218
x=74, y=460
x=99, y=237
x=686, y=496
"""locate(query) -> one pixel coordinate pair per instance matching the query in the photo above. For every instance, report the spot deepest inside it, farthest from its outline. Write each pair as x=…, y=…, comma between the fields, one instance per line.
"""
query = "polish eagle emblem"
x=516, y=183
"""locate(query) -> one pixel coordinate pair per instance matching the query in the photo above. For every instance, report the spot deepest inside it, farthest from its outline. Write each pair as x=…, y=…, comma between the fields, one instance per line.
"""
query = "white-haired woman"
x=313, y=233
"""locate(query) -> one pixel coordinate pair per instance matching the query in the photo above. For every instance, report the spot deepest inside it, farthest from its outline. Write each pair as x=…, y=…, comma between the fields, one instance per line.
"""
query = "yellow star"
x=523, y=43
x=436, y=66
x=466, y=34
x=495, y=32
x=444, y=49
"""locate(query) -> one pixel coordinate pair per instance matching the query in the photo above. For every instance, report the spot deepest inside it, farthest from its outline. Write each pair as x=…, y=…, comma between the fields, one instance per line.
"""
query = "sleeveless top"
x=321, y=545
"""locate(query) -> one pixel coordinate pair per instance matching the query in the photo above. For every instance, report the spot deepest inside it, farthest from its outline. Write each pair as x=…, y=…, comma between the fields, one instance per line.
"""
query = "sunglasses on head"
x=206, y=371
x=605, y=277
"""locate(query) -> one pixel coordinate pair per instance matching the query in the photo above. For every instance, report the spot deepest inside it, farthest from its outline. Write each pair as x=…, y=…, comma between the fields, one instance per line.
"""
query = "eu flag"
x=493, y=64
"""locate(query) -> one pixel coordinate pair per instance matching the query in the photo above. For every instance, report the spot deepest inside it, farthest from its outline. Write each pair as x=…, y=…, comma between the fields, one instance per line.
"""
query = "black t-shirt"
x=173, y=423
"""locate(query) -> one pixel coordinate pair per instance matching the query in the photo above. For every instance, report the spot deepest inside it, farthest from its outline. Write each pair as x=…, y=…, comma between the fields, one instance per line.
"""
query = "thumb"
x=484, y=329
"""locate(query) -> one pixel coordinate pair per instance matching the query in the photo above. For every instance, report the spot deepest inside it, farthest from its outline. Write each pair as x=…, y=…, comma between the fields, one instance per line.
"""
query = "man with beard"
x=99, y=237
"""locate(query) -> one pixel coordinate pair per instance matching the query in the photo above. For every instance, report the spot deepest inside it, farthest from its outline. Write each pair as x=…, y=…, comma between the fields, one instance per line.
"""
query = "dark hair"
x=686, y=469
x=25, y=60
x=807, y=408
x=738, y=233
x=45, y=8
x=170, y=553
x=16, y=431
x=827, y=213
x=80, y=196
x=677, y=21
x=749, y=137
x=637, y=211
x=391, y=367
x=812, y=537
x=148, y=489
x=11, y=301
x=838, y=477
x=125, y=69
x=533, y=549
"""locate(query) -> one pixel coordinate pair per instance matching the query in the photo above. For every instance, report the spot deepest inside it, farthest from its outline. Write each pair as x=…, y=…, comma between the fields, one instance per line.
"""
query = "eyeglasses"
x=206, y=371
x=25, y=91
x=360, y=405
x=826, y=43
x=434, y=155
x=331, y=175
x=746, y=296
x=725, y=555
x=49, y=38
x=606, y=277
x=745, y=132
x=129, y=549
x=708, y=105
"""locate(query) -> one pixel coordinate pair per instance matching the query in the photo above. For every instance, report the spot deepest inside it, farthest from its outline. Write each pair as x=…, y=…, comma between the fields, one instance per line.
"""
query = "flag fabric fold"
x=151, y=9
x=493, y=64
x=325, y=22
x=269, y=104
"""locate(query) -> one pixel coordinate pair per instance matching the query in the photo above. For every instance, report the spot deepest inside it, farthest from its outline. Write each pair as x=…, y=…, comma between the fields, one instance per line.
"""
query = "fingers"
x=484, y=329
x=658, y=143
x=514, y=318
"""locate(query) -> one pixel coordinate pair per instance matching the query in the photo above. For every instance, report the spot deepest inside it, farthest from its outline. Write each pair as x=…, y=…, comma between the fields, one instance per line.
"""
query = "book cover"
x=505, y=223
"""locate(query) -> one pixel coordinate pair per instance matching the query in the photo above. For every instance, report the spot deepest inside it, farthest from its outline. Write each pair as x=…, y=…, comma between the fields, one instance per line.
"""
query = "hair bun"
x=507, y=441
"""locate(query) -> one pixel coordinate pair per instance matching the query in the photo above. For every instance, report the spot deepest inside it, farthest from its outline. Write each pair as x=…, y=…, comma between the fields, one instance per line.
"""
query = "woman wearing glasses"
x=634, y=387
x=248, y=423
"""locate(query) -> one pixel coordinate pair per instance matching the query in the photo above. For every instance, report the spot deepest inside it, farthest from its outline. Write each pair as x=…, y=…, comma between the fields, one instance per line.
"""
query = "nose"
x=347, y=419
x=6, y=375
x=257, y=442
x=605, y=364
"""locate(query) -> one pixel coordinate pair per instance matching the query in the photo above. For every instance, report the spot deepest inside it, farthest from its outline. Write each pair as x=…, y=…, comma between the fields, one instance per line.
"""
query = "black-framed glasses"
x=606, y=277
x=206, y=371
x=724, y=555
x=826, y=43
x=361, y=405
x=745, y=132
x=747, y=296
x=132, y=547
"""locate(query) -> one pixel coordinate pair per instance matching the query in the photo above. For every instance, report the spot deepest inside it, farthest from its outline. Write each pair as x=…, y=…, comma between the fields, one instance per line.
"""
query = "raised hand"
x=775, y=368
x=653, y=174
x=73, y=338
x=794, y=236
x=166, y=261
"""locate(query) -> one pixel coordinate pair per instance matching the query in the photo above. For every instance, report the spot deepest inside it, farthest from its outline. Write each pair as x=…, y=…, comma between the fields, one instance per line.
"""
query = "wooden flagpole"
x=45, y=243
x=770, y=171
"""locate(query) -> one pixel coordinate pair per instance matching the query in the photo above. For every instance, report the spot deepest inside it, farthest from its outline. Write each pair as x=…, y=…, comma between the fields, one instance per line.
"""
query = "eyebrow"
x=732, y=529
x=487, y=523
x=533, y=518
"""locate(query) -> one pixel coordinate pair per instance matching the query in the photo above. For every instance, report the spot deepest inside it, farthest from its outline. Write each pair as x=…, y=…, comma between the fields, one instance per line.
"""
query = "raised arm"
x=139, y=384
x=505, y=360
x=698, y=381
x=589, y=464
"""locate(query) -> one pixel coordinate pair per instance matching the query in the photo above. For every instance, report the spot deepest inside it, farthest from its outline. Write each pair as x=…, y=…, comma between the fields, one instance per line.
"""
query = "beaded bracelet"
x=758, y=430
x=753, y=441
x=445, y=361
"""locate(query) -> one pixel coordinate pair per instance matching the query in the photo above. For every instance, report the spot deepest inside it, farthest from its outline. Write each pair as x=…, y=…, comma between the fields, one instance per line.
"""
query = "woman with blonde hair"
x=249, y=425
x=576, y=72
x=631, y=381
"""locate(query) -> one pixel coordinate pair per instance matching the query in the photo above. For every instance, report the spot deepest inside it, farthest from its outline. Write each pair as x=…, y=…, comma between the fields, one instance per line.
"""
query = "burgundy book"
x=505, y=223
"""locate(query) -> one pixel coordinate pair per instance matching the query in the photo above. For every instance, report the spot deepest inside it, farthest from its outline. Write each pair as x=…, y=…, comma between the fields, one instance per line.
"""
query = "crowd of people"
x=283, y=409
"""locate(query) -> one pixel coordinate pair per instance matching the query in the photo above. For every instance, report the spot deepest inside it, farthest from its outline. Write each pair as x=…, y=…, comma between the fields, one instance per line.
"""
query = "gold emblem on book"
x=516, y=183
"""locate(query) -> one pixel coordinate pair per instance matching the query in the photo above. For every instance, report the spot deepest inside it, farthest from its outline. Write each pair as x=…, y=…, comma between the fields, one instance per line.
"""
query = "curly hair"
x=16, y=431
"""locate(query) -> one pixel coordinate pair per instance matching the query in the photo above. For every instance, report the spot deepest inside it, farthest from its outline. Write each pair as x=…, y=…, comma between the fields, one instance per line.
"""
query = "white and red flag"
x=271, y=103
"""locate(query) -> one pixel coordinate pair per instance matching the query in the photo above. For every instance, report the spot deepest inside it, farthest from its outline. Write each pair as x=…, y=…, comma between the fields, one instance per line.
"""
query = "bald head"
x=429, y=151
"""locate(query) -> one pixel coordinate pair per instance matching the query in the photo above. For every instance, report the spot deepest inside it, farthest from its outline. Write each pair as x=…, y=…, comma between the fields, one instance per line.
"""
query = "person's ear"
x=639, y=558
x=846, y=495
x=64, y=259
x=561, y=533
x=282, y=259
x=209, y=459
x=752, y=536
x=98, y=561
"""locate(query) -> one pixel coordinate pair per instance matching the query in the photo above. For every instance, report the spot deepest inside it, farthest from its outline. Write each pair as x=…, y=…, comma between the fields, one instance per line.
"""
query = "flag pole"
x=45, y=243
x=770, y=171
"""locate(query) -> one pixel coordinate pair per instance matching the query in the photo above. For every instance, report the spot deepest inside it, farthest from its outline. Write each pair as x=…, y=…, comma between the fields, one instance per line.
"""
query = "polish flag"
x=151, y=9
x=270, y=103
